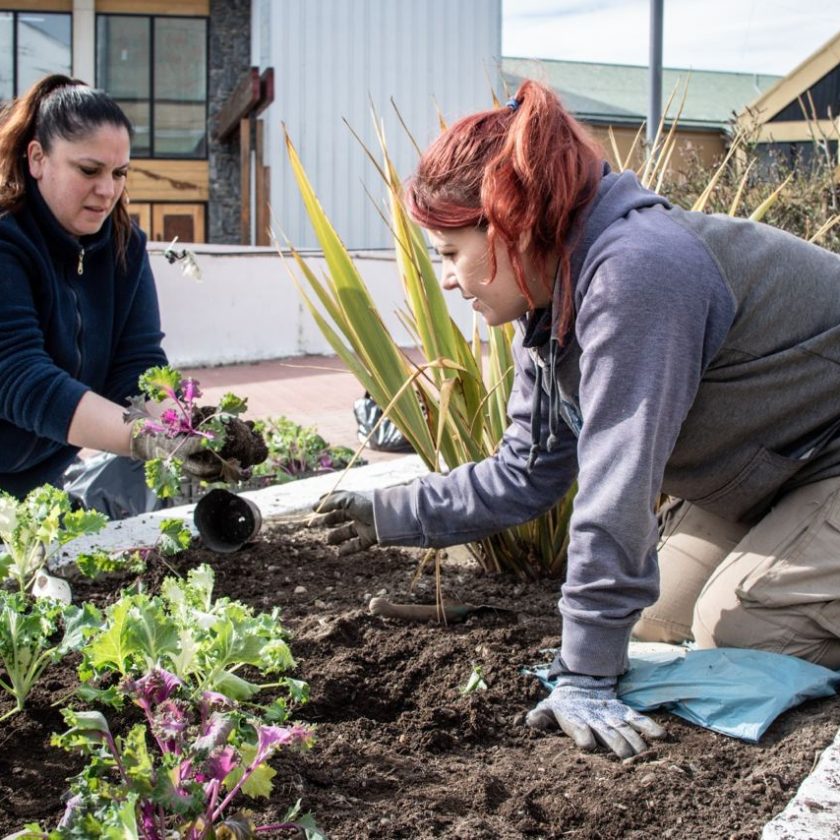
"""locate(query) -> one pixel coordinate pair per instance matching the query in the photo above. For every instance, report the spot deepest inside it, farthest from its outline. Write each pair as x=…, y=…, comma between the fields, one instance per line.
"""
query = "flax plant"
x=450, y=405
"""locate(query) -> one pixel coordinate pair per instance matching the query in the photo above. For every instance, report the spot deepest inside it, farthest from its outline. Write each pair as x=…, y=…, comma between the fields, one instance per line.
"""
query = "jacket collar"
x=62, y=244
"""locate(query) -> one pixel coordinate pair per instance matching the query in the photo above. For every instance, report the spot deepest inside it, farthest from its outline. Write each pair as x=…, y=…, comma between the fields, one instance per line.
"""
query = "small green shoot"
x=475, y=682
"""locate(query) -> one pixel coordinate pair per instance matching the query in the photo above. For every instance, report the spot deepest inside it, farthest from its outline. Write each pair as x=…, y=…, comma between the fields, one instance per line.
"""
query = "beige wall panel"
x=154, y=7
x=142, y=214
x=168, y=180
x=709, y=147
x=799, y=131
x=37, y=6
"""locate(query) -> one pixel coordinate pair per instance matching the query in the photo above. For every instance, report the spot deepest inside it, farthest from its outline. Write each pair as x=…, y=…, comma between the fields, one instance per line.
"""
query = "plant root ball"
x=242, y=442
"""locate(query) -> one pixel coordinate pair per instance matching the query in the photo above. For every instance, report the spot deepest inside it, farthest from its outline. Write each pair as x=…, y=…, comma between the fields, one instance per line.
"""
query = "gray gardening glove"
x=587, y=710
x=354, y=509
x=188, y=449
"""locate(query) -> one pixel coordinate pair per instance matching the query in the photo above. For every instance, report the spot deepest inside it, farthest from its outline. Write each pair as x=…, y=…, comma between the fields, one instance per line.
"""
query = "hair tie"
x=512, y=103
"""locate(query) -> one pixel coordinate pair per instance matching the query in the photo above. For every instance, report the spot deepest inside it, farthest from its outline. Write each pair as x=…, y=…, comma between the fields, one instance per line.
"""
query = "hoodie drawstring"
x=536, y=418
x=553, y=406
x=553, y=397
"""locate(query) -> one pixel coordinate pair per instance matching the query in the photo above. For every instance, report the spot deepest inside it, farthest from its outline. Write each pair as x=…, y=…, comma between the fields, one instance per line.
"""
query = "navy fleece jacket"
x=71, y=320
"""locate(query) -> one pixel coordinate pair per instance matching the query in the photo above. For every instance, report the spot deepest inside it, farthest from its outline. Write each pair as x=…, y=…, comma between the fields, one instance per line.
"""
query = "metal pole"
x=655, y=73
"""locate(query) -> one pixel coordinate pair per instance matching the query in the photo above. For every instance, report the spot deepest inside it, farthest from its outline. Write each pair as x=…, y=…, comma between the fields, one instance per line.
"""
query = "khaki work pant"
x=773, y=586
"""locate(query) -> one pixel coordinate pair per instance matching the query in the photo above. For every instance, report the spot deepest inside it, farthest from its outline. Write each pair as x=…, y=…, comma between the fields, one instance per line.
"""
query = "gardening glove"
x=587, y=709
x=187, y=449
x=355, y=509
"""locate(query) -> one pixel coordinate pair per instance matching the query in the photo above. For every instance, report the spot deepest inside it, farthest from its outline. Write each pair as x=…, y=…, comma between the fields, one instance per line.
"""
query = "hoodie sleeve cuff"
x=395, y=518
x=594, y=649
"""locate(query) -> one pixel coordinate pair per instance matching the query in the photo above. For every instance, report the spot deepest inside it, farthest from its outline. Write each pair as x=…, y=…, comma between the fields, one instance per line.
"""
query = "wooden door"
x=186, y=221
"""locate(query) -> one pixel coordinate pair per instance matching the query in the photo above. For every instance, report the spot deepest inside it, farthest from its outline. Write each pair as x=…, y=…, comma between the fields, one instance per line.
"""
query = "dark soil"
x=242, y=443
x=401, y=753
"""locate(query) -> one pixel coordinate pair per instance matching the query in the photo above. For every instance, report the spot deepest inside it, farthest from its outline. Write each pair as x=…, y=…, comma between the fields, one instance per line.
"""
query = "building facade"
x=206, y=172
x=612, y=99
x=797, y=120
x=167, y=65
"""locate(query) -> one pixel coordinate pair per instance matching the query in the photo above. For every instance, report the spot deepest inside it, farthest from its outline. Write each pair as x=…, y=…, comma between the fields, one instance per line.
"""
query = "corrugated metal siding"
x=332, y=59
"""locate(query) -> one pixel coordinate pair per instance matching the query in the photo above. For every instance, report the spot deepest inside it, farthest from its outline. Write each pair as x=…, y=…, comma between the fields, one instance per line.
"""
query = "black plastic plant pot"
x=226, y=521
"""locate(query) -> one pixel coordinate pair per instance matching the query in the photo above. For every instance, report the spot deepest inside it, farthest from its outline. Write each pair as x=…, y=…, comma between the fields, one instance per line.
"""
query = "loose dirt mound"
x=402, y=753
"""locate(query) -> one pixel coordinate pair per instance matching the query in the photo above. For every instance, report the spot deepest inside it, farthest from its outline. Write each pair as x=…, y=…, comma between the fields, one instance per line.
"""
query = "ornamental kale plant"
x=176, y=774
x=174, y=538
x=35, y=633
x=32, y=531
x=205, y=643
x=204, y=739
x=295, y=451
x=183, y=418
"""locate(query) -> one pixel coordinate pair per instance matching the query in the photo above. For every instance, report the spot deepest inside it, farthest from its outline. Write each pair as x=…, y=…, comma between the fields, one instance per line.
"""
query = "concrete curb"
x=273, y=502
x=813, y=813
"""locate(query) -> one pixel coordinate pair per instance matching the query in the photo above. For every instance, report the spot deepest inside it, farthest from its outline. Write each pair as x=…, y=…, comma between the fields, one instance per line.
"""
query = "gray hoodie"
x=705, y=363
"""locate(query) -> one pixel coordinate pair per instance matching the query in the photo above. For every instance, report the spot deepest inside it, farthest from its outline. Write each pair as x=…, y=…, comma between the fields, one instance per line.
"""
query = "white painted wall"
x=335, y=60
x=246, y=307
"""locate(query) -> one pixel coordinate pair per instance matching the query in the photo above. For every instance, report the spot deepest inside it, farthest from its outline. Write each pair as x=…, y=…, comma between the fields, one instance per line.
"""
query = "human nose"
x=448, y=280
x=105, y=187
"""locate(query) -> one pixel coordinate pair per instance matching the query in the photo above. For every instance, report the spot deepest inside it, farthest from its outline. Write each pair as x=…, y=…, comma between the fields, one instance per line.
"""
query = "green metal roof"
x=618, y=93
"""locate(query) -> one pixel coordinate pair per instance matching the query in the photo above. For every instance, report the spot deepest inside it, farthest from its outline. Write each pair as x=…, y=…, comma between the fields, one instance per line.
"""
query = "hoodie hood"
x=618, y=194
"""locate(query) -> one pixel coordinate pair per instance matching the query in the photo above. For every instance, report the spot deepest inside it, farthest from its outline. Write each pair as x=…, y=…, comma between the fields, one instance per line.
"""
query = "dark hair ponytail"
x=524, y=171
x=56, y=106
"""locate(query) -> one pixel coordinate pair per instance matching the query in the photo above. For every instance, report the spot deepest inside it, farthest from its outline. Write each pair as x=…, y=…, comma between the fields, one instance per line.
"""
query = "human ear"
x=35, y=156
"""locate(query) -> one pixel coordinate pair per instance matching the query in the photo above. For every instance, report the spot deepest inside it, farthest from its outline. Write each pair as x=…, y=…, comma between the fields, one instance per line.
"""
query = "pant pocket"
x=797, y=564
x=827, y=615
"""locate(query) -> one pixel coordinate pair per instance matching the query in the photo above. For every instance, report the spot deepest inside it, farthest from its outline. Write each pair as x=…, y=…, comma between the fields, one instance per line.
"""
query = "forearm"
x=475, y=500
x=98, y=424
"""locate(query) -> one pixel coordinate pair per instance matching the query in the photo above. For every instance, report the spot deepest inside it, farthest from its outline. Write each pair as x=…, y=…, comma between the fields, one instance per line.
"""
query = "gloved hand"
x=587, y=710
x=355, y=509
x=188, y=449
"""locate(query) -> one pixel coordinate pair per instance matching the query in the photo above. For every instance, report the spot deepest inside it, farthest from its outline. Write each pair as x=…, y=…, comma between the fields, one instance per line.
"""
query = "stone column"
x=229, y=58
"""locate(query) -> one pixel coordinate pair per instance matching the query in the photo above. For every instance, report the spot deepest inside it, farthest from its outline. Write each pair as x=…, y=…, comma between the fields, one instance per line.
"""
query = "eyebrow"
x=95, y=162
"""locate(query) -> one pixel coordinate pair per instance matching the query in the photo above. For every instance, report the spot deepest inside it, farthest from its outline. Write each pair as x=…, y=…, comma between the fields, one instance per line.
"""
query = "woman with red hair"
x=659, y=351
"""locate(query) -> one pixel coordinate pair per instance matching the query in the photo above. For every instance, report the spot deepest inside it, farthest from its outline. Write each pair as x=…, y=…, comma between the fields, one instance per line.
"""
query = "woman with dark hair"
x=79, y=319
x=660, y=351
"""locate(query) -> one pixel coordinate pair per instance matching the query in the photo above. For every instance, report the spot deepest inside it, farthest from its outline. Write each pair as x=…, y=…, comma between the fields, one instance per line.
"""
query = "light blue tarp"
x=730, y=690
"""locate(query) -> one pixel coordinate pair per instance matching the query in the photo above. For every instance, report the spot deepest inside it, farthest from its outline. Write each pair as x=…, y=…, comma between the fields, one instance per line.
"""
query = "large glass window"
x=156, y=68
x=7, y=55
x=33, y=45
x=123, y=68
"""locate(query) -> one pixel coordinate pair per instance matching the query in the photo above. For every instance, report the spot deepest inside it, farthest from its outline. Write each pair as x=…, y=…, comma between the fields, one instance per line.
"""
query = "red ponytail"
x=523, y=173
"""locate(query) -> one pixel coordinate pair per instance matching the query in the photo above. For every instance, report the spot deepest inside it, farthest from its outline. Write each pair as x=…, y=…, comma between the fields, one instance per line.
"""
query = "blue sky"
x=758, y=36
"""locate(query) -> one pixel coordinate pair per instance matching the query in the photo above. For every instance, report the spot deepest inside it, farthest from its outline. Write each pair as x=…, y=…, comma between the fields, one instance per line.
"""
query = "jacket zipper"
x=78, y=336
x=80, y=268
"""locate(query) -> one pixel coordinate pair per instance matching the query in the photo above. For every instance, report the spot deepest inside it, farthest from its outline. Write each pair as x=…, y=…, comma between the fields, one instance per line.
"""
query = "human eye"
x=120, y=173
x=90, y=171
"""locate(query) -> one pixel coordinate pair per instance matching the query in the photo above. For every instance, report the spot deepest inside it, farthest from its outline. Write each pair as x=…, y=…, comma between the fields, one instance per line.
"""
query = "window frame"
x=152, y=155
x=15, y=13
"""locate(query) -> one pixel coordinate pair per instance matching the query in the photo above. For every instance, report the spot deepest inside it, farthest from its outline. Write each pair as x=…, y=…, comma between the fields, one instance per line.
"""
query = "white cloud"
x=760, y=36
